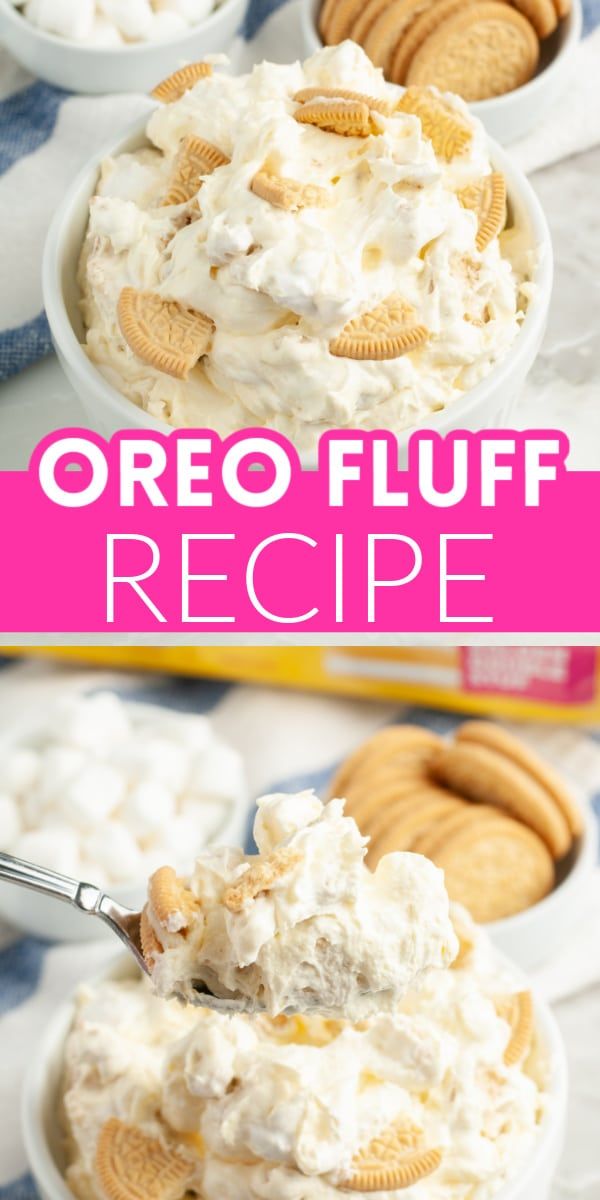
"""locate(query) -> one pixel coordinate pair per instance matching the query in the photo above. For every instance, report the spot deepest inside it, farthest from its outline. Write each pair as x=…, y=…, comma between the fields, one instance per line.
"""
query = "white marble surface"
x=562, y=392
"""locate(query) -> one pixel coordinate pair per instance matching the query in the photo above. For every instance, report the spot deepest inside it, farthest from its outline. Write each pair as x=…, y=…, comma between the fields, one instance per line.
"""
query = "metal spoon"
x=123, y=921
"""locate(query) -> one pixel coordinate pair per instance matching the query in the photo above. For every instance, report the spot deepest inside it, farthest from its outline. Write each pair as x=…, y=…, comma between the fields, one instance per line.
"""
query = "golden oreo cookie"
x=150, y=945
x=195, y=158
x=374, y=103
x=367, y=805
x=366, y=16
x=377, y=810
x=337, y=18
x=176, y=85
x=388, y=744
x=289, y=194
x=485, y=49
x=387, y=768
x=450, y=825
x=466, y=942
x=260, y=878
x=348, y=118
x=162, y=332
x=381, y=39
x=482, y=774
x=425, y=23
x=447, y=129
x=495, y=867
x=387, y=779
x=487, y=733
x=401, y=833
x=392, y=1161
x=173, y=904
x=132, y=1166
x=517, y=1010
x=388, y=331
x=540, y=13
x=487, y=199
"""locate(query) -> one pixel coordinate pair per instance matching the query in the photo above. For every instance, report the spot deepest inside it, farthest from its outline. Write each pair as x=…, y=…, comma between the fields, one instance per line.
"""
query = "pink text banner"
x=484, y=533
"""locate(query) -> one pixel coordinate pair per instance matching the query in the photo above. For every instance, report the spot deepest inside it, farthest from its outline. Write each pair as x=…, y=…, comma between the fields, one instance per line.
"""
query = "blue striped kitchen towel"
x=289, y=741
x=46, y=135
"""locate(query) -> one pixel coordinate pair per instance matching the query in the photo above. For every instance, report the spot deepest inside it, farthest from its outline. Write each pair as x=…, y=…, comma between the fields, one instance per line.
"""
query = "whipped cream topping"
x=305, y=923
x=114, y=23
x=277, y=1109
x=102, y=790
x=280, y=284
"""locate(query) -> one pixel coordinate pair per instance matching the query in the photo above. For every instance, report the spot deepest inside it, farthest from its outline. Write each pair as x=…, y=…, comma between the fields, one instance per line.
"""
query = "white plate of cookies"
x=517, y=845
x=509, y=60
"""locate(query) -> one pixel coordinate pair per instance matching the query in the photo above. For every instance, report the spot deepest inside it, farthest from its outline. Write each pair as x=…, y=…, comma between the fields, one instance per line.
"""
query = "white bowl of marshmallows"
x=106, y=790
x=115, y=45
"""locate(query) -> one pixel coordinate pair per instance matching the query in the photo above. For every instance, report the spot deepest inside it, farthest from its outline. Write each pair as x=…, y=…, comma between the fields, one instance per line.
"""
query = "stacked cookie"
x=484, y=807
x=476, y=48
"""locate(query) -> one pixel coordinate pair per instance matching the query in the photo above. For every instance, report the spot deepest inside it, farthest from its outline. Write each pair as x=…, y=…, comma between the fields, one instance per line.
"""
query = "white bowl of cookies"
x=99, y=46
x=510, y=61
x=193, y=277
x=105, y=789
x=517, y=846
x=110, y=1111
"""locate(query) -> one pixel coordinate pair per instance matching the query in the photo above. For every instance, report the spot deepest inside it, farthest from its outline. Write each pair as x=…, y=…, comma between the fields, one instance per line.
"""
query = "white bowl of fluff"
x=486, y=403
x=44, y=1138
x=91, y=54
x=106, y=789
x=514, y=114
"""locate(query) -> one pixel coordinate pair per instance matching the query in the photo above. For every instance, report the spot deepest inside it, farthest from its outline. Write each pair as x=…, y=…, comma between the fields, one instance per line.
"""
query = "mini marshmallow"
x=279, y=816
x=181, y=841
x=104, y=35
x=19, y=767
x=115, y=23
x=148, y=807
x=151, y=756
x=56, y=848
x=116, y=851
x=133, y=18
x=67, y=18
x=130, y=788
x=208, y=815
x=11, y=825
x=217, y=771
x=191, y=731
x=166, y=25
x=98, y=723
x=190, y=10
x=95, y=792
x=57, y=767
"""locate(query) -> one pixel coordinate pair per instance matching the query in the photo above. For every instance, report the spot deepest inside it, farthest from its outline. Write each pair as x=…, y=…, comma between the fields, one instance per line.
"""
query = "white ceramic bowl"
x=490, y=403
x=134, y=68
x=536, y=935
x=54, y=919
x=508, y=117
x=41, y=1107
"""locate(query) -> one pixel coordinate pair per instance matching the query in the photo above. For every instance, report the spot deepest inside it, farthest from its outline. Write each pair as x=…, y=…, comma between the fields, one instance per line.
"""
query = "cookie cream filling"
x=263, y=1109
x=114, y=23
x=304, y=924
x=282, y=273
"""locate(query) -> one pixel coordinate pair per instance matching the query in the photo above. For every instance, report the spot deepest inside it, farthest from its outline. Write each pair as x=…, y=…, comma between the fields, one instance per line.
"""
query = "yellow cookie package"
x=557, y=683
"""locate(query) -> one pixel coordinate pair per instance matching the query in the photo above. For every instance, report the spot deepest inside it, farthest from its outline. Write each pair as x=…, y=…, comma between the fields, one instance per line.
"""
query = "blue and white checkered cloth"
x=289, y=741
x=46, y=135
